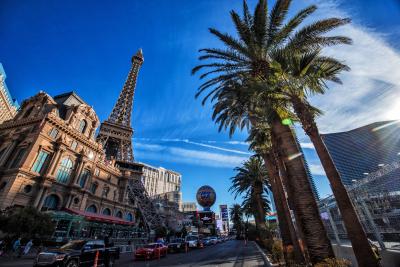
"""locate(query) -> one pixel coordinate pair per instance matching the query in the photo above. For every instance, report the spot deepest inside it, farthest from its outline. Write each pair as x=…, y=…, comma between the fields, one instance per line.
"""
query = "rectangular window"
x=74, y=145
x=53, y=133
x=84, y=176
x=93, y=188
x=40, y=161
x=18, y=158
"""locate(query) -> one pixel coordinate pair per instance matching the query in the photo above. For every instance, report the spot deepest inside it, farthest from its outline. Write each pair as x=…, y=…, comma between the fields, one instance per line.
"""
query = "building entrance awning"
x=100, y=217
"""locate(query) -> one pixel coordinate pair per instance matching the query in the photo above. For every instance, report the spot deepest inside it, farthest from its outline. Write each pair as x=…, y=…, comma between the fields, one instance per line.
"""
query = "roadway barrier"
x=390, y=258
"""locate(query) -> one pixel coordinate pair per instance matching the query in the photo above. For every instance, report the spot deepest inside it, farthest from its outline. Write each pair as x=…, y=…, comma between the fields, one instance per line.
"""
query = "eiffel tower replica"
x=115, y=135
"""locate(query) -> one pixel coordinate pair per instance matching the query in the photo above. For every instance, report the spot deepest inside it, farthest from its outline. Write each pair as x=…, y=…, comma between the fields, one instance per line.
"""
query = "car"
x=151, y=251
x=214, y=240
x=207, y=241
x=79, y=253
x=178, y=245
x=192, y=241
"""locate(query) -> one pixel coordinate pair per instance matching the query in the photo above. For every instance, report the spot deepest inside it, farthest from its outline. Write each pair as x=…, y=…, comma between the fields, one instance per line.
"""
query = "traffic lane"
x=229, y=254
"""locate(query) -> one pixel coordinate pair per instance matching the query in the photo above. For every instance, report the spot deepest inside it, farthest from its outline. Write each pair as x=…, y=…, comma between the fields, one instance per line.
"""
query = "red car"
x=151, y=251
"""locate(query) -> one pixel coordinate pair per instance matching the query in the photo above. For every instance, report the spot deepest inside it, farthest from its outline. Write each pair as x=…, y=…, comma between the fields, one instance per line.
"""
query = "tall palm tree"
x=236, y=214
x=300, y=76
x=260, y=141
x=238, y=105
x=261, y=34
x=251, y=180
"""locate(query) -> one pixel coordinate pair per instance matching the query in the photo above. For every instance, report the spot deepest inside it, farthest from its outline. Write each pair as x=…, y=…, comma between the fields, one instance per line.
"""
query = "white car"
x=192, y=241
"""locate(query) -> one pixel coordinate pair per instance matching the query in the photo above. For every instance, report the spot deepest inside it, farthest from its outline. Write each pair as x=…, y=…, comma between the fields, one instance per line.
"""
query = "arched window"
x=84, y=177
x=92, y=209
x=51, y=202
x=107, y=211
x=82, y=126
x=118, y=214
x=64, y=171
x=129, y=217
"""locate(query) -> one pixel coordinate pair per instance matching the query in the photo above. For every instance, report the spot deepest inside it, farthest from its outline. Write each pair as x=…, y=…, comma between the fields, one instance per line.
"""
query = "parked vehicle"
x=192, y=241
x=207, y=241
x=214, y=240
x=178, y=245
x=79, y=253
x=151, y=251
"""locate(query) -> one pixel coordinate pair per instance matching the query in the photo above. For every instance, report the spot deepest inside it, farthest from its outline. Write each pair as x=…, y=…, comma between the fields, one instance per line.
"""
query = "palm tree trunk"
x=288, y=232
x=290, y=192
x=355, y=232
x=260, y=216
x=305, y=206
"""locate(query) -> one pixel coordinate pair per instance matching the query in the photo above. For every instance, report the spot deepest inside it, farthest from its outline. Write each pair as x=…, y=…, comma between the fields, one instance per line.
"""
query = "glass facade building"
x=368, y=160
x=364, y=150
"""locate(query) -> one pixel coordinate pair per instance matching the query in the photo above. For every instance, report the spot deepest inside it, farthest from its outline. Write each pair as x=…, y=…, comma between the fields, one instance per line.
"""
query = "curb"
x=265, y=257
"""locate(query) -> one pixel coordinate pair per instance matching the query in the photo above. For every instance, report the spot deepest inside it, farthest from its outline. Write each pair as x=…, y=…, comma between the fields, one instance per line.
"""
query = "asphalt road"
x=229, y=254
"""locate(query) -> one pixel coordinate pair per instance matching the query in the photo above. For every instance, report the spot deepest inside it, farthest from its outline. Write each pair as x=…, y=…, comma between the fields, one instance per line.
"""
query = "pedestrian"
x=107, y=241
x=28, y=247
x=2, y=247
x=17, y=247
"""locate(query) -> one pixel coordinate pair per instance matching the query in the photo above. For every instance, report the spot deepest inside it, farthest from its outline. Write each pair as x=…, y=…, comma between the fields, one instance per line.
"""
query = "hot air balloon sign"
x=206, y=196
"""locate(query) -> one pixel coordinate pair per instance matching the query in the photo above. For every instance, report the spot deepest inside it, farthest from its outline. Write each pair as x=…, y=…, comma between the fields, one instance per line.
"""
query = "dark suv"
x=79, y=253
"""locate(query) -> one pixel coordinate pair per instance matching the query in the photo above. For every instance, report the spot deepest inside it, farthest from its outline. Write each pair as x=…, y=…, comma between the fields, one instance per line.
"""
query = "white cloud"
x=149, y=147
x=307, y=145
x=219, y=148
x=187, y=141
x=371, y=90
x=316, y=169
x=207, y=158
x=187, y=156
x=237, y=143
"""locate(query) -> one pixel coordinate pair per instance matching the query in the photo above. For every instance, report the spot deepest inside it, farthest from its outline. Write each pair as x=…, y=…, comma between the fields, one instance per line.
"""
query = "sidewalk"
x=23, y=261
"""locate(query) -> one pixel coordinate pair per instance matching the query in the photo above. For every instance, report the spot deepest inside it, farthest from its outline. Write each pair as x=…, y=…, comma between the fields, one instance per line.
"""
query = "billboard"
x=224, y=212
x=207, y=217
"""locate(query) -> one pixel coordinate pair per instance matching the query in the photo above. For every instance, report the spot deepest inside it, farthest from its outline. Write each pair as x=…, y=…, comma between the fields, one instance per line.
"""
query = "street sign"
x=224, y=212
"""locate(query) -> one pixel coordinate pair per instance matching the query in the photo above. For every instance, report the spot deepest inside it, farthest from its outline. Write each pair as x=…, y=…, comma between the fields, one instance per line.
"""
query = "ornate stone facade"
x=49, y=159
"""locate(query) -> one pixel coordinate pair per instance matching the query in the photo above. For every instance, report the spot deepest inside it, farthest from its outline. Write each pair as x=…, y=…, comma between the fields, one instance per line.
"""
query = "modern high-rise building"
x=8, y=106
x=359, y=152
x=368, y=160
x=309, y=175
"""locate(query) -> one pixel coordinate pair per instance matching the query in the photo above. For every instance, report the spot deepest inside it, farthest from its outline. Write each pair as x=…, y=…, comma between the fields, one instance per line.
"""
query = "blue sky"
x=85, y=46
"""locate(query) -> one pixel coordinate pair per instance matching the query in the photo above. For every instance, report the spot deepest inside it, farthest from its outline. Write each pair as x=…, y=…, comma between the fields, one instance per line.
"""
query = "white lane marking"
x=263, y=254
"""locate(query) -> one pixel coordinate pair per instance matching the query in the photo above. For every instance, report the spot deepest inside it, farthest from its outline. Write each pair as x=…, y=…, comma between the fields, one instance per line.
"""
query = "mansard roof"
x=69, y=99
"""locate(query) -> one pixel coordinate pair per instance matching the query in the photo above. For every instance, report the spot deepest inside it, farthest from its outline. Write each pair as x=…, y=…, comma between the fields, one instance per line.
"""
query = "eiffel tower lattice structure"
x=115, y=135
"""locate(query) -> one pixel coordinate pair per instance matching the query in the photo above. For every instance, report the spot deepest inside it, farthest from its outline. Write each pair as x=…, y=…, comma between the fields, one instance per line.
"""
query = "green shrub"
x=277, y=251
x=334, y=262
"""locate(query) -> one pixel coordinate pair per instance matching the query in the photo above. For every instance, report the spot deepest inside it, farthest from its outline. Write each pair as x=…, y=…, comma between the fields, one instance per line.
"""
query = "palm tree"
x=260, y=141
x=252, y=181
x=236, y=106
x=306, y=74
x=260, y=35
x=236, y=214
